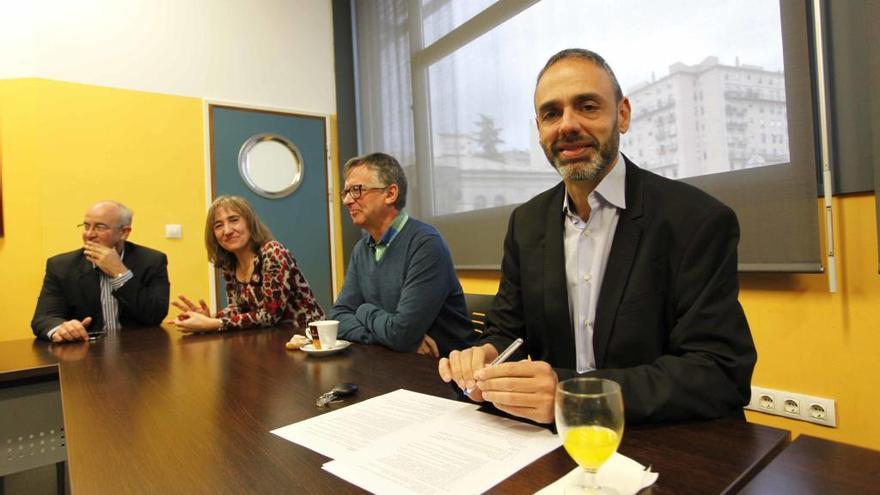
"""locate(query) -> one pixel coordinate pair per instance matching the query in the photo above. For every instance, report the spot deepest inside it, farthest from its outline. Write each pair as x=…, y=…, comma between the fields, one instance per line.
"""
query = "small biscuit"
x=297, y=341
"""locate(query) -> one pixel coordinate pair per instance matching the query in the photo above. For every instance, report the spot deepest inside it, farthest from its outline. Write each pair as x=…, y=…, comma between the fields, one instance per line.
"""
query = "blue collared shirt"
x=389, y=235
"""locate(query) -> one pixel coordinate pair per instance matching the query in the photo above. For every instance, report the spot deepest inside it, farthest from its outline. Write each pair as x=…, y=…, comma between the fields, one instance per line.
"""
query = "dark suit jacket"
x=668, y=325
x=71, y=290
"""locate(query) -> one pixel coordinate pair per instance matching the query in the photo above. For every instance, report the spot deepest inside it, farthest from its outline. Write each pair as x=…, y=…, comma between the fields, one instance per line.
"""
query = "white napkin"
x=620, y=472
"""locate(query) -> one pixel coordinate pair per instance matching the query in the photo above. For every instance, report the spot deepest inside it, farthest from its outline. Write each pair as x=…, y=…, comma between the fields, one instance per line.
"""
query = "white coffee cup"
x=326, y=331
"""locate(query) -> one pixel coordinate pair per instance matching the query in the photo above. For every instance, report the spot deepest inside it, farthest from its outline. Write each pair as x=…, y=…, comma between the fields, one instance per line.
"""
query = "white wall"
x=16, y=40
x=276, y=53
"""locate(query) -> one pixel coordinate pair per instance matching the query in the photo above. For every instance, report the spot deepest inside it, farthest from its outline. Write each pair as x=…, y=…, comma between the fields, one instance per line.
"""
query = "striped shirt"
x=109, y=304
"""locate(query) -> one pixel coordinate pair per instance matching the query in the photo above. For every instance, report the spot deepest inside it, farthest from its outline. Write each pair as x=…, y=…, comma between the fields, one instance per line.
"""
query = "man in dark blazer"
x=107, y=284
x=662, y=318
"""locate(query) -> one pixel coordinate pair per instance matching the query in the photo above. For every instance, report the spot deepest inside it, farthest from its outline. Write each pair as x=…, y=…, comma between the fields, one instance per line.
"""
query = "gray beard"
x=590, y=168
x=582, y=170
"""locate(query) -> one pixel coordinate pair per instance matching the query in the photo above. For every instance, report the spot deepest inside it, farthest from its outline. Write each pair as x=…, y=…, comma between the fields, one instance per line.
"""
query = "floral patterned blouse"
x=276, y=292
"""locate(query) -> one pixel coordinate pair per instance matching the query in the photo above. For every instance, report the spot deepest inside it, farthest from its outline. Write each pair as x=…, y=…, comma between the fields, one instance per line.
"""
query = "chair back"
x=478, y=306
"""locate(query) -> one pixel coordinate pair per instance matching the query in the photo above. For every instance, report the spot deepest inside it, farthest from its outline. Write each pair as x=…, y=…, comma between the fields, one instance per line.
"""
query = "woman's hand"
x=191, y=321
x=186, y=305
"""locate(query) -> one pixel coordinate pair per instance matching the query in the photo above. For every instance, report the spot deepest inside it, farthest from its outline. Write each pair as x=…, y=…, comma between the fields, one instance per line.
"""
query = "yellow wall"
x=810, y=341
x=64, y=146
x=336, y=202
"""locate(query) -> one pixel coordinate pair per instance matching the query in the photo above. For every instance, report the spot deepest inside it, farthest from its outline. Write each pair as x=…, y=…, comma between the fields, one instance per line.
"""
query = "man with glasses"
x=614, y=273
x=401, y=290
x=107, y=284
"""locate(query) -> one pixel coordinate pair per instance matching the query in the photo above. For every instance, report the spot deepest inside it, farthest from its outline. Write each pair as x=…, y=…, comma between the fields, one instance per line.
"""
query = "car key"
x=336, y=394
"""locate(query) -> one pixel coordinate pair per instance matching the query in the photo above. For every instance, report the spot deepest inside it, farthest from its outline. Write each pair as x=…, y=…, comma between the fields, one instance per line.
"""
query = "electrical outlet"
x=763, y=400
x=817, y=410
x=820, y=411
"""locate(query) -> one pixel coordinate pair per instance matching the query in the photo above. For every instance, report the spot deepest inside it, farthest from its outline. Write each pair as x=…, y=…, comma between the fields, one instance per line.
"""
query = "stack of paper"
x=404, y=442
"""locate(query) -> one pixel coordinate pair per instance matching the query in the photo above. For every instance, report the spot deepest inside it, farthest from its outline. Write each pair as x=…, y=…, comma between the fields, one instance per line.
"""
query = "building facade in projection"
x=708, y=118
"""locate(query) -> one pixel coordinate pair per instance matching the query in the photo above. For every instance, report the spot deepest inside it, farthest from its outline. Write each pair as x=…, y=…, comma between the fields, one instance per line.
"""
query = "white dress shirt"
x=587, y=246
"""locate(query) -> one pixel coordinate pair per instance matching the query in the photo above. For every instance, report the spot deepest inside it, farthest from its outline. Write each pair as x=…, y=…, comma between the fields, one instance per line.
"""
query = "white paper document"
x=346, y=430
x=452, y=448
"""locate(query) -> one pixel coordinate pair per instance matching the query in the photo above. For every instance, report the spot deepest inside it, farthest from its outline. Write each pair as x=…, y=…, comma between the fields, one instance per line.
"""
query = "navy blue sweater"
x=411, y=291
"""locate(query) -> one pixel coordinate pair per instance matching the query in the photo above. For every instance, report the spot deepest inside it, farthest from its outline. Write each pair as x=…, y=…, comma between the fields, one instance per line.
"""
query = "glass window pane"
x=439, y=17
x=705, y=80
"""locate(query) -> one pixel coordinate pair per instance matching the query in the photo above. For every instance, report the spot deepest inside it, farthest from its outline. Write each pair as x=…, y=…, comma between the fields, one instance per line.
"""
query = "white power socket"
x=792, y=405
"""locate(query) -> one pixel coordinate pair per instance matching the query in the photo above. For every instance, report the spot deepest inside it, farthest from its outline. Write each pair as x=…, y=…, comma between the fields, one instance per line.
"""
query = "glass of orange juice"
x=589, y=418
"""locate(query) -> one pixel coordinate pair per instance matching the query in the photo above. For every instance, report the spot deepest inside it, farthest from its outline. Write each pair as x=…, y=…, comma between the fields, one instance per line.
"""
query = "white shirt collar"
x=612, y=187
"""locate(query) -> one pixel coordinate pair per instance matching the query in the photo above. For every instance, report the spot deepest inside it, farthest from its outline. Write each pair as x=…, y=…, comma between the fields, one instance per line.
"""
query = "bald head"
x=121, y=212
x=107, y=223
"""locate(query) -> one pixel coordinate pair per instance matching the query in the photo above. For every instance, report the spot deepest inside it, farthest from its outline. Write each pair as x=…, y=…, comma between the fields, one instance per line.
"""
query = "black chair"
x=478, y=305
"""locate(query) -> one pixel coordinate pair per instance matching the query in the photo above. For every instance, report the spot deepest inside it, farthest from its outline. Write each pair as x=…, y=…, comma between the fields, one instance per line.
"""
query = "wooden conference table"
x=813, y=465
x=155, y=411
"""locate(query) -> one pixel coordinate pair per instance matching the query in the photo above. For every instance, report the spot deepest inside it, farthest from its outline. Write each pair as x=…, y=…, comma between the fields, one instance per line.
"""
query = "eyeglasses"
x=358, y=190
x=99, y=227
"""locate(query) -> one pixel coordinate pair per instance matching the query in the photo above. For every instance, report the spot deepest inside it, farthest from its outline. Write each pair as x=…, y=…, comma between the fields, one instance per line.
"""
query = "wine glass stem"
x=591, y=482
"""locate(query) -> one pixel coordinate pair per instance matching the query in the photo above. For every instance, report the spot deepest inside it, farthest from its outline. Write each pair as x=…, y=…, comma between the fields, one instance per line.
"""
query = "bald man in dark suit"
x=107, y=284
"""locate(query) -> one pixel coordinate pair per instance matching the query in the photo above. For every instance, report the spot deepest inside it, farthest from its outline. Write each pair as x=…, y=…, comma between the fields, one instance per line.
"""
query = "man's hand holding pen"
x=525, y=388
x=460, y=367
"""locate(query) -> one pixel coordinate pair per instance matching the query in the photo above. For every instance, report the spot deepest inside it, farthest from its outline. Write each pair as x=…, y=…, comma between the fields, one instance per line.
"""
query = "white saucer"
x=340, y=345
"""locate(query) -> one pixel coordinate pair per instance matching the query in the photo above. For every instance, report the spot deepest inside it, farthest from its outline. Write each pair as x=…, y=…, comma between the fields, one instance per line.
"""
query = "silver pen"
x=504, y=356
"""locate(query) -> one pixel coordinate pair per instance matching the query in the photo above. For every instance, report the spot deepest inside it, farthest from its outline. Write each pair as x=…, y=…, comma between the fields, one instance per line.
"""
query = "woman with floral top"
x=264, y=285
